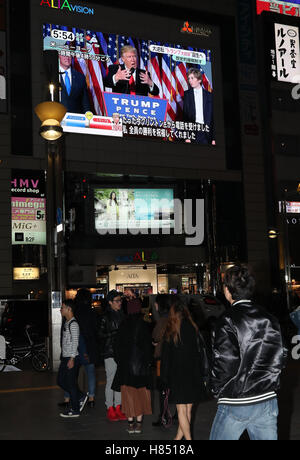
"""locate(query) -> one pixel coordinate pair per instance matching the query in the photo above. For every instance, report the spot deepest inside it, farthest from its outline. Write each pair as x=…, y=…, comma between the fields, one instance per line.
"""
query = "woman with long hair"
x=180, y=365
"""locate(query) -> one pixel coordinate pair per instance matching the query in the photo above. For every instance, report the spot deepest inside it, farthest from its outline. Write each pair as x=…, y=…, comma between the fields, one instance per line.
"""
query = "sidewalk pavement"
x=29, y=411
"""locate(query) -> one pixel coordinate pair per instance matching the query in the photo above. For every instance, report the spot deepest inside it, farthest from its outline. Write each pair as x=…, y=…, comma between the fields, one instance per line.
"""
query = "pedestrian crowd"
x=239, y=365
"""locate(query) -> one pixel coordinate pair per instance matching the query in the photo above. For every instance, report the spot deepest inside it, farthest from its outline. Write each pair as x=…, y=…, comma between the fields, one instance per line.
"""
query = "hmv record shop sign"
x=28, y=207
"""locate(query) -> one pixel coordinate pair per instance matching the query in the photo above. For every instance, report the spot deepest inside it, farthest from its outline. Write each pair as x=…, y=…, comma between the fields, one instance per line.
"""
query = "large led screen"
x=123, y=86
x=133, y=209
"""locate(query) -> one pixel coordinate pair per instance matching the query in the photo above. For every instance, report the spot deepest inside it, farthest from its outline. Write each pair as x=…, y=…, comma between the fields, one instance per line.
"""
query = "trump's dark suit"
x=189, y=114
x=122, y=86
x=78, y=100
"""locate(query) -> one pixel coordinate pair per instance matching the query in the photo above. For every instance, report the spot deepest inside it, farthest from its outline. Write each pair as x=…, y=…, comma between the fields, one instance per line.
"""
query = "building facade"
x=224, y=159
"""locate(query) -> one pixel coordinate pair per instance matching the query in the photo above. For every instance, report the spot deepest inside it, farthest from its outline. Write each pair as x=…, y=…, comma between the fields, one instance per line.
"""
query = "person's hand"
x=145, y=79
x=122, y=74
x=70, y=364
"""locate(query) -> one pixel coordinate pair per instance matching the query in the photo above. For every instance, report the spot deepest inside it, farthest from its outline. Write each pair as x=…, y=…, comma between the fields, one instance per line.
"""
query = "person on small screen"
x=127, y=78
x=112, y=207
x=198, y=107
x=74, y=93
x=117, y=124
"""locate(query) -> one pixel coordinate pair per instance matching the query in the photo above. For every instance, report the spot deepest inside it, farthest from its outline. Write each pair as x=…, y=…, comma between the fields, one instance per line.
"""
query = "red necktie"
x=131, y=85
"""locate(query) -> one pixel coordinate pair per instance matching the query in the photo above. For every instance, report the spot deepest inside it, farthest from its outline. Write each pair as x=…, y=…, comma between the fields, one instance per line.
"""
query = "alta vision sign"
x=65, y=4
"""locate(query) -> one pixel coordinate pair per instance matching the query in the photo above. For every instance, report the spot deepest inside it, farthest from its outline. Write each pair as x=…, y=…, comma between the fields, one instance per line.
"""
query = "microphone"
x=132, y=70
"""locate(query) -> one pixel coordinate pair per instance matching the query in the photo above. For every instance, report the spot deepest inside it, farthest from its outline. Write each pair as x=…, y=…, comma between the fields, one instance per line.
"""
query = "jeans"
x=67, y=379
x=112, y=398
x=260, y=420
x=91, y=377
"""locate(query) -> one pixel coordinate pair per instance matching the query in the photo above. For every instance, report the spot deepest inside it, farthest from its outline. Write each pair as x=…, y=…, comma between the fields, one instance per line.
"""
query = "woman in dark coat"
x=133, y=354
x=180, y=365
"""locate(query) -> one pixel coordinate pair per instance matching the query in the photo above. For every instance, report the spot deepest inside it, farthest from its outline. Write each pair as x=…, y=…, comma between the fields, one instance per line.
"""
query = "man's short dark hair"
x=240, y=282
x=69, y=303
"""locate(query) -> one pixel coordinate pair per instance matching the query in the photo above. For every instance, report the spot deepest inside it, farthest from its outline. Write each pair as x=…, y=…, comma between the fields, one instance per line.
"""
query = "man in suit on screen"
x=198, y=107
x=74, y=93
x=127, y=78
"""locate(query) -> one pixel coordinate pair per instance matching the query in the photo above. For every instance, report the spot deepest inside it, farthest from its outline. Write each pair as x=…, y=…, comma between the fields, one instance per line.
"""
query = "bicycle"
x=10, y=355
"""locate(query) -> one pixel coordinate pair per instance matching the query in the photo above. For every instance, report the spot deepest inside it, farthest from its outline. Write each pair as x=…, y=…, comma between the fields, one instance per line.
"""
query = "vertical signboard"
x=287, y=53
x=28, y=207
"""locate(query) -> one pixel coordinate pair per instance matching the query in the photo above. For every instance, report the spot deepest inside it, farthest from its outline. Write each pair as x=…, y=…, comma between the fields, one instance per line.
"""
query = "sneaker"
x=82, y=402
x=111, y=414
x=119, y=413
x=70, y=414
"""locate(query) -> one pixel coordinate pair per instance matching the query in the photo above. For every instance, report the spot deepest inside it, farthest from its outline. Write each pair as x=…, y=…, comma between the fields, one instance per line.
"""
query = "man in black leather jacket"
x=248, y=357
x=108, y=328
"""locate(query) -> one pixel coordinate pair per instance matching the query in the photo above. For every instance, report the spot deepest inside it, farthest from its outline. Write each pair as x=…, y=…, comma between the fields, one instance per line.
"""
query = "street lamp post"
x=51, y=114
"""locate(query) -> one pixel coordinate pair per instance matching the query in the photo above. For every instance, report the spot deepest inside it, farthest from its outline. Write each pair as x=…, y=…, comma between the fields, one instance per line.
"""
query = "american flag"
x=169, y=75
x=154, y=68
x=169, y=86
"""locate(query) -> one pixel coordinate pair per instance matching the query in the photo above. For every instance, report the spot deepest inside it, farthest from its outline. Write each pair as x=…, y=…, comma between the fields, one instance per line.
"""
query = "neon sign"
x=65, y=4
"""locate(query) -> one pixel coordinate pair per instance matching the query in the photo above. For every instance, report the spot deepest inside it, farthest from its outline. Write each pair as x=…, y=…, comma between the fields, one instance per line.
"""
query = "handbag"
x=166, y=417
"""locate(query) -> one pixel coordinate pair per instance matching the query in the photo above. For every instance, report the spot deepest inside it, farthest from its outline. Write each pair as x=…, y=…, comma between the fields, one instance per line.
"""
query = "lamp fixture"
x=51, y=115
x=272, y=234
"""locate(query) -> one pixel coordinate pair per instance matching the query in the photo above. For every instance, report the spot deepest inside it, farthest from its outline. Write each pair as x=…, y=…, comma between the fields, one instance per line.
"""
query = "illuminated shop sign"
x=291, y=8
x=287, y=54
x=66, y=5
x=28, y=207
x=26, y=273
